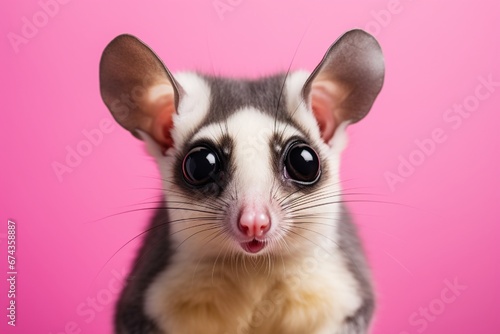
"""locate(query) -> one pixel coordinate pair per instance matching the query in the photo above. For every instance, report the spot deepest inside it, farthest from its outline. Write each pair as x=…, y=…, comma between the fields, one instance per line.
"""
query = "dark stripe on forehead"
x=229, y=95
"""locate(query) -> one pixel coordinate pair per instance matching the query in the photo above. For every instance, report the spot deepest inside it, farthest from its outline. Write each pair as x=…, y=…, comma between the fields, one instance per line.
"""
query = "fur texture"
x=192, y=274
x=305, y=284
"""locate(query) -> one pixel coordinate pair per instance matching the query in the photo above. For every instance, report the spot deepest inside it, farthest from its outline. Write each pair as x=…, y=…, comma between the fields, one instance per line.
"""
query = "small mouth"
x=253, y=246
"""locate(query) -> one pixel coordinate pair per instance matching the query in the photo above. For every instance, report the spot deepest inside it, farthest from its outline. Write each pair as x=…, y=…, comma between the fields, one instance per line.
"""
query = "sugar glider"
x=252, y=235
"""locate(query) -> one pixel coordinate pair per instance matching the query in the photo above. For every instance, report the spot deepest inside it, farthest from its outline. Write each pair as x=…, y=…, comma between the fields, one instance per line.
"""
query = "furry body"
x=197, y=271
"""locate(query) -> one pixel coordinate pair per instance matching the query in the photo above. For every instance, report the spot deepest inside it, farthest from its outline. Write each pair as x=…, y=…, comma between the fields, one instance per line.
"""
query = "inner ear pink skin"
x=162, y=123
x=323, y=108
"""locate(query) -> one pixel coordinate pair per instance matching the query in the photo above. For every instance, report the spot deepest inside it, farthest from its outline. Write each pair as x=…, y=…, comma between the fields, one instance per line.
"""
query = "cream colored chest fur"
x=310, y=294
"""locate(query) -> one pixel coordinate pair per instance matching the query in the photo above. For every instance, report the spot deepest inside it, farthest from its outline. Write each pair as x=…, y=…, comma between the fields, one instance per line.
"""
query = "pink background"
x=441, y=223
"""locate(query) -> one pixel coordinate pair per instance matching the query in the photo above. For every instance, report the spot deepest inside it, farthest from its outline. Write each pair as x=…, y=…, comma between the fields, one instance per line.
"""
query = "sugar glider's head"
x=248, y=166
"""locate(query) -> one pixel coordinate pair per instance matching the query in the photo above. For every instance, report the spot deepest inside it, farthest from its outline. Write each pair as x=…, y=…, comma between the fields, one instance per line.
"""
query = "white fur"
x=297, y=106
x=210, y=286
x=305, y=117
x=314, y=294
x=193, y=106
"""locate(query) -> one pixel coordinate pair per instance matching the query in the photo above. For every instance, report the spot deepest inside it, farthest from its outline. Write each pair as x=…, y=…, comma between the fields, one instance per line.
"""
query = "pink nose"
x=254, y=222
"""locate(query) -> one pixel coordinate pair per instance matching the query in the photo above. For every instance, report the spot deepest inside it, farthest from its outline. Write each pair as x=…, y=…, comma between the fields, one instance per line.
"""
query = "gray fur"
x=123, y=65
x=352, y=250
x=155, y=254
x=153, y=257
x=267, y=94
x=229, y=95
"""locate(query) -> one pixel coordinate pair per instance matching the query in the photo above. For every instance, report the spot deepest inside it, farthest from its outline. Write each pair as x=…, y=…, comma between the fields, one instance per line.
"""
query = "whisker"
x=311, y=199
x=215, y=263
x=193, y=226
x=282, y=201
x=196, y=233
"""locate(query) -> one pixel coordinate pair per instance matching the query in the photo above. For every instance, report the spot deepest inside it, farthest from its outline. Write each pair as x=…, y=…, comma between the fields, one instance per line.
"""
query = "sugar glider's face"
x=248, y=166
x=248, y=169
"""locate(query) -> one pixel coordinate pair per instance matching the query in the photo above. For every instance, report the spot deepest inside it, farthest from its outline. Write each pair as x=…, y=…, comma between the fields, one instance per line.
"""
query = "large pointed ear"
x=345, y=84
x=138, y=89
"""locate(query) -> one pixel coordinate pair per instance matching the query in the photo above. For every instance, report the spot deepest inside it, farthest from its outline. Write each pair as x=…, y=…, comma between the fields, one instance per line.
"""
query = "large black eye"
x=302, y=164
x=200, y=166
